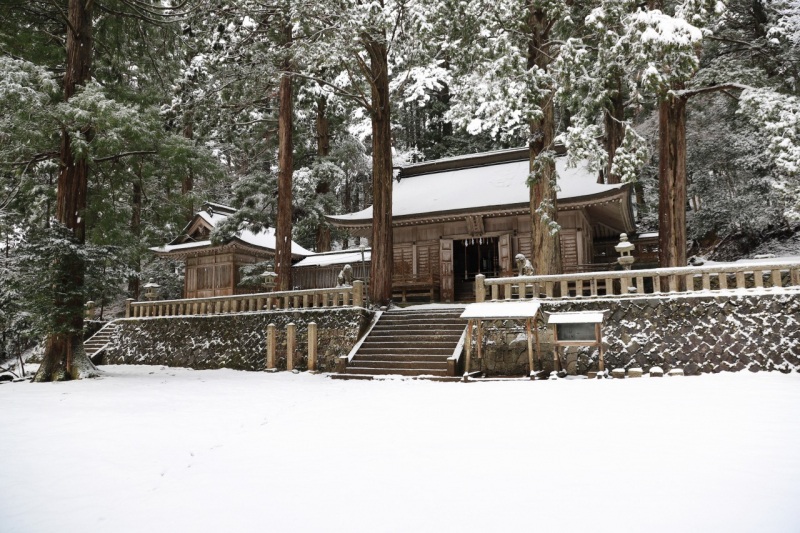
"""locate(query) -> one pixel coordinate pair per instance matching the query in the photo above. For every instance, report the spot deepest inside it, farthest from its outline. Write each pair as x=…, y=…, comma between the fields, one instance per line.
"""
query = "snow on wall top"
x=505, y=309
x=477, y=187
x=341, y=257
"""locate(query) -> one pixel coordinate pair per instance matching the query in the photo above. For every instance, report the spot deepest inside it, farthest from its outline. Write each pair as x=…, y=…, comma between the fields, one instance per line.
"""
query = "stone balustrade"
x=625, y=283
x=344, y=296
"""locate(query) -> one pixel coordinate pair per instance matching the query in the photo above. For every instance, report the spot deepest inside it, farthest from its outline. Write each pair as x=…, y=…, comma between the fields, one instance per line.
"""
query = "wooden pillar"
x=271, y=345
x=530, y=345
x=468, y=346
x=480, y=339
x=600, y=362
x=555, y=350
x=291, y=337
x=312, y=345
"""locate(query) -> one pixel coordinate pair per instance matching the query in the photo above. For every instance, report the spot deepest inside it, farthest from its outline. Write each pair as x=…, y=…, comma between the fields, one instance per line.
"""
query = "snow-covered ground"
x=153, y=449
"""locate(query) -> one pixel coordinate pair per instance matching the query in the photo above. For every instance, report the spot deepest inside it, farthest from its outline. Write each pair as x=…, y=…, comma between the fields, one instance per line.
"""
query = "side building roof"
x=195, y=236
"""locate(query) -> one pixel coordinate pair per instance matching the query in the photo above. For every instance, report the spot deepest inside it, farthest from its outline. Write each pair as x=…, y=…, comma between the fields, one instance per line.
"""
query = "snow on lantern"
x=624, y=249
x=151, y=290
x=269, y=277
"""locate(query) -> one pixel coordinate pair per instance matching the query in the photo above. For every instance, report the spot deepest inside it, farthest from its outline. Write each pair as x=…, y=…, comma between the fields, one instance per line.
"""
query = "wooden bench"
x=410, y=284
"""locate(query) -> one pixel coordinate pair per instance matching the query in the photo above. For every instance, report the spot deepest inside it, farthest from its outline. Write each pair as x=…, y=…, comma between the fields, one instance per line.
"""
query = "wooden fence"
x=305, y=299
x=745, y=277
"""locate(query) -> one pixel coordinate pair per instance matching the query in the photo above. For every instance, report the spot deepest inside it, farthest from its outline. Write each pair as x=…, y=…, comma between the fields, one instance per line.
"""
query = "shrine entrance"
x=471, y=257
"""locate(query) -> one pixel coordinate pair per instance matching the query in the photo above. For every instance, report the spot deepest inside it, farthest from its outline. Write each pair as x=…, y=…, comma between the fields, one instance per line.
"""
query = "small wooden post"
x=538, y=346
x=480, y=339
x=358, y=293
x=555, y=350
x=468, y=346
x=291, y=337
x=312, y=345
x=530, y=345
x=600, y=362
x=128, y=303
x=271, y=345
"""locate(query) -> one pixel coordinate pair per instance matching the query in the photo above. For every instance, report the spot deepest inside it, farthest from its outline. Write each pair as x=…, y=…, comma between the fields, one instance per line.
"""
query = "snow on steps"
x=95, y=345
x=408, y=342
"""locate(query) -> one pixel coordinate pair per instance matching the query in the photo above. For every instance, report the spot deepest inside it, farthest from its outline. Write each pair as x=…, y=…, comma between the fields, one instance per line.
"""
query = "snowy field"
x=153, y=449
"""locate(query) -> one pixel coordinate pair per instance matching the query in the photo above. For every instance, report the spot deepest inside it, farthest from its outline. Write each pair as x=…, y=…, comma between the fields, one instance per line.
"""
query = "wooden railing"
x=306, y=299
x=712, y=278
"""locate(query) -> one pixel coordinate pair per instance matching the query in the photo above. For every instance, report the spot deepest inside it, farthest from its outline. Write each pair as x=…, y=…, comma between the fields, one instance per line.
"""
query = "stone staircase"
x=95, y=345
x=409, y=342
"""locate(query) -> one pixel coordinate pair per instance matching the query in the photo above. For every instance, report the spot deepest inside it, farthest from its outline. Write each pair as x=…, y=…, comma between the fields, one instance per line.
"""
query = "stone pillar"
x=271, y=344
x=291, y=337
x=89, y=310
x=358, y=293
x=128, y=307
x=312, y=345
x=480, y=288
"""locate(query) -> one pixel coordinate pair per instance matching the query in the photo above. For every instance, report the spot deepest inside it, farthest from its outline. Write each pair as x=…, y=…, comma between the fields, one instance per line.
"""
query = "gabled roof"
x=194, y=235
x=482, y=183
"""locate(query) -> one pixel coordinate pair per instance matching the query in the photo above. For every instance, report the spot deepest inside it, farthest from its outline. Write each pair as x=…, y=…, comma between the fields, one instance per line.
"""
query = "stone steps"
x=95, y=345
x=409, y=343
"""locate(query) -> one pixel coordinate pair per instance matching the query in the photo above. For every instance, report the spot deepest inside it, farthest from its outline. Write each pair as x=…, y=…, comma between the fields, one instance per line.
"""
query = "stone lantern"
x=624, y=249
x=269, y=277
x=151, y=290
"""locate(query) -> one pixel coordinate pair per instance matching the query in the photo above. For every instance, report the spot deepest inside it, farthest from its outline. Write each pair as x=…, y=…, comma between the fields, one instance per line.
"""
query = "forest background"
x=118, y=118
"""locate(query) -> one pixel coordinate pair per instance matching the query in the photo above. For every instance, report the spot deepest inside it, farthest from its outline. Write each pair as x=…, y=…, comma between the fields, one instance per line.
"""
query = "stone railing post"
x=312, y=345
x=358, y=293
x=89, y=310
x=291, y=337
x=480, y=288
x=271, y=344
x=128, y=303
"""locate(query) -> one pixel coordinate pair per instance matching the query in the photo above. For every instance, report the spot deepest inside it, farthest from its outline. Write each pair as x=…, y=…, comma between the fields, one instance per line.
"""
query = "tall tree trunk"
x=672, y=182
x=546, y=246
x=380, y=286
x=323, y=240
x=188, y=179
x=283, y=232
x=136, y=231
x=615, y=128
x=64, y=357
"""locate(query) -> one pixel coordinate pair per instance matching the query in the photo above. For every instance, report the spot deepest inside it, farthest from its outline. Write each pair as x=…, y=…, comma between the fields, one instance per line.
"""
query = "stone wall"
x=696, y=333
x=235, y=341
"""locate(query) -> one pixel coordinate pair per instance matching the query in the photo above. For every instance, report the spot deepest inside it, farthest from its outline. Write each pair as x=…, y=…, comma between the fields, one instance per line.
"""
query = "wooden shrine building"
x=457, y=217
x=214, y=270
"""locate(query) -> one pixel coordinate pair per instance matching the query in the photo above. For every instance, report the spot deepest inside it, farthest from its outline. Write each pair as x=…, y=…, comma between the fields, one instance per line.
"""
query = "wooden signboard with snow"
x=213, y=270
x=527, y=310
x=582, y=328
x=459, y=217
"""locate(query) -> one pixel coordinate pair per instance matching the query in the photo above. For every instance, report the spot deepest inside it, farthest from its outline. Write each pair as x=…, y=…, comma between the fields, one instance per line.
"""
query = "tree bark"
x=64, y=357
x=546, y=246
x=672, y=182
x=380, y=284
x=323, y=239
x=136, y=231
x=187, y=184
x=283, y=231
x=615, y=131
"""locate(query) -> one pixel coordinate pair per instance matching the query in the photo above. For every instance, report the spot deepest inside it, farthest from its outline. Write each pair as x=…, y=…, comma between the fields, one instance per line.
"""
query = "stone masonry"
x=235, y=341
x=699, y=333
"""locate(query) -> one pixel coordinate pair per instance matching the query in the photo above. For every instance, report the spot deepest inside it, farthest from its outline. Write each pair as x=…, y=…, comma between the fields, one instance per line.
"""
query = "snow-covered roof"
x=263, y=239
x=504, y=309
x=476, y=187
x=578, y=317
x=340, y=257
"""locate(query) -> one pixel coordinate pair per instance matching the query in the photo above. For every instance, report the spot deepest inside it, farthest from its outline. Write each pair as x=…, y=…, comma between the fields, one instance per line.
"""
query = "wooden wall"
x=216, y=273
